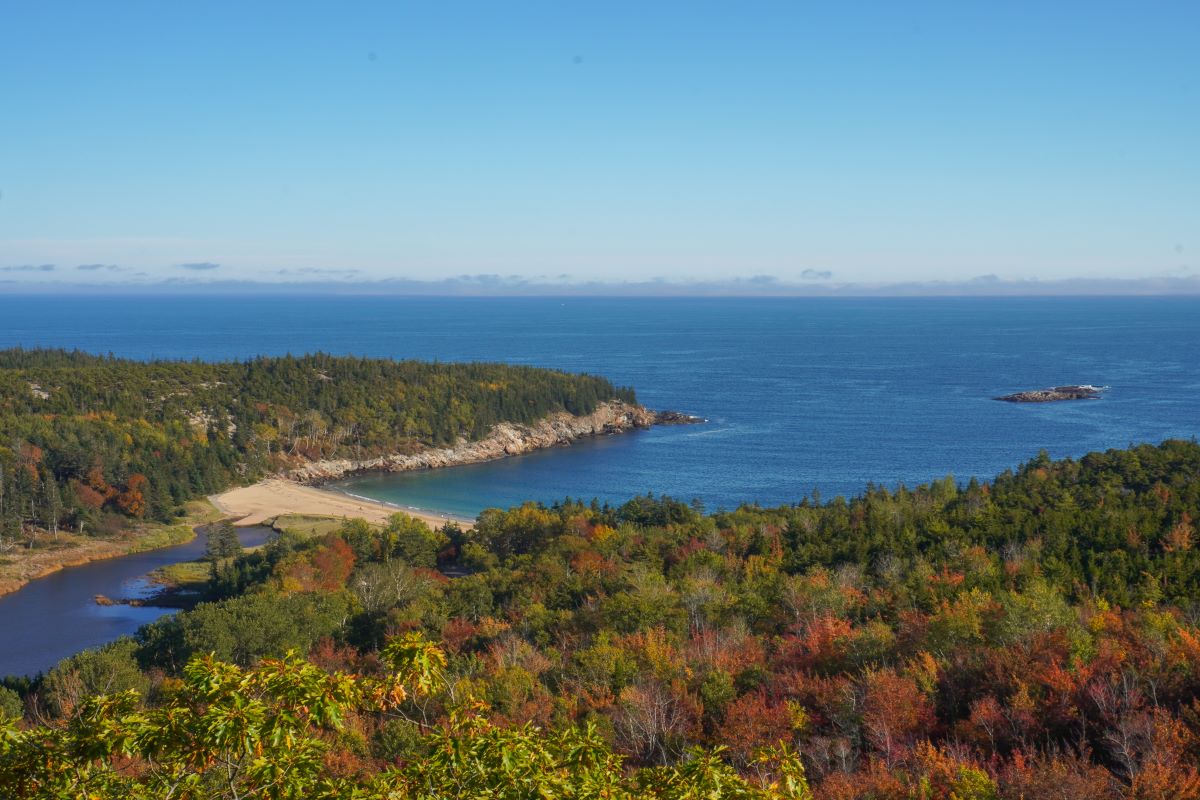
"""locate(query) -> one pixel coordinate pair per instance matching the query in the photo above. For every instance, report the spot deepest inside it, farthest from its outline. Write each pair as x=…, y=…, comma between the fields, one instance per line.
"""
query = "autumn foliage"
x=1003, y=641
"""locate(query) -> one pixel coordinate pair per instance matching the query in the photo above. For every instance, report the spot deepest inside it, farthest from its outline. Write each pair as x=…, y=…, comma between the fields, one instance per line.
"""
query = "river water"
x=57, y=616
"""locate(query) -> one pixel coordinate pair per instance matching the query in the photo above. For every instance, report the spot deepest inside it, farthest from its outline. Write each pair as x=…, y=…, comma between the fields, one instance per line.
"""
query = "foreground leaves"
x=269, y=732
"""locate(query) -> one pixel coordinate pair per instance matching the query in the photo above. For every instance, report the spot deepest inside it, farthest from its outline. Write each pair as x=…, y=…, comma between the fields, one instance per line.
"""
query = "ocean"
x=801, y=395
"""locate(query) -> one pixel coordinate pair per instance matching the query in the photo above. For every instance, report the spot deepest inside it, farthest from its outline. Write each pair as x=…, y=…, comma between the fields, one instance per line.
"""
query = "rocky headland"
x=1054, y=394
x=505, y=439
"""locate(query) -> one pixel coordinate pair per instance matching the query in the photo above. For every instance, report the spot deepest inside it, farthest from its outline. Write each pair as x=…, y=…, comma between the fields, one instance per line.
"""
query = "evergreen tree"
x=223, y=542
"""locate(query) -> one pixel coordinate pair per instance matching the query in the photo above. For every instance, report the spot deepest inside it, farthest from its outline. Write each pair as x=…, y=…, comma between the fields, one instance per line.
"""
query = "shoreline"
x=505, y=439
x=426, y=514
x=22, y=567
x=80, y=552
x=275, y=496
x=303, y=490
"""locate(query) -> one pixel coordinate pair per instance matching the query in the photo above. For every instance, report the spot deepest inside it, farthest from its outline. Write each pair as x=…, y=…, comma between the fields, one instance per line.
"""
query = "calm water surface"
x=802, y=394
x=56, y=616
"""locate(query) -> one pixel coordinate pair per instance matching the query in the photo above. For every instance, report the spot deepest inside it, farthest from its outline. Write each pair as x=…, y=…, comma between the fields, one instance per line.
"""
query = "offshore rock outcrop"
x=1081, y=392
x=505, y=439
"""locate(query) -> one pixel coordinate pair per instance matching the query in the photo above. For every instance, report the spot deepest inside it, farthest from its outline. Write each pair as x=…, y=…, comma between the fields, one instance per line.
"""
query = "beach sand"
x=273, y=497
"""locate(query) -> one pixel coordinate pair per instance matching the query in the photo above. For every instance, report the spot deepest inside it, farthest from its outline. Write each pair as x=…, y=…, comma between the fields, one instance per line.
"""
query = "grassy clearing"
x=306, y=525
x=153, y=535
x=162, y=536
x=185, y=575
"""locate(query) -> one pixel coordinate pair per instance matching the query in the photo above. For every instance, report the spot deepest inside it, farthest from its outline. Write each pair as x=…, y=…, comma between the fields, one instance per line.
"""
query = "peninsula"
x=98, y=454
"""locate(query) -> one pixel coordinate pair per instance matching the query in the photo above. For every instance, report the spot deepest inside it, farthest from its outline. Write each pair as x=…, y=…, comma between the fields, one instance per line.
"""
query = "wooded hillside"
x=82, y=436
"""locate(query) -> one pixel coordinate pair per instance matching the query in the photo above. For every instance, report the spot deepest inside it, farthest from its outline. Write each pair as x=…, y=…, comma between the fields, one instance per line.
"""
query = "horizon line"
x=493, y=286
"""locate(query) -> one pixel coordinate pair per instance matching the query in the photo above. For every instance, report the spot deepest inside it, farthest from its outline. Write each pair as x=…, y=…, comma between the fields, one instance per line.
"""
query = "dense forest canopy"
x=81, y=435
x=1036, y=637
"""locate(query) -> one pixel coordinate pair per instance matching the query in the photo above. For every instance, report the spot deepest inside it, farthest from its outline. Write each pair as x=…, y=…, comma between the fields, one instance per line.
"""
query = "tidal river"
x=56, y=616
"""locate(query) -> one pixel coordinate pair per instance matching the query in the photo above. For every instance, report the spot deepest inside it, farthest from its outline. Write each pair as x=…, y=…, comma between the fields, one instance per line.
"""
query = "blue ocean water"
x=801, y=394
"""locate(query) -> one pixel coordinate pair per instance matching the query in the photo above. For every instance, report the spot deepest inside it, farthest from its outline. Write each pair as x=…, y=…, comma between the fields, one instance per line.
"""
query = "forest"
x=87, y=441
x=1032, y=637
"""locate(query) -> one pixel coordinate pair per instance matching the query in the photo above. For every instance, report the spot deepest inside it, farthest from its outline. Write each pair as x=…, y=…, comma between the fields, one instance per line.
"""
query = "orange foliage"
x=132, y=501
x=334, y=562
x=728, y=651
x=457, y=633
x=87, y=496
x=592, y=565
x=1181, y=536
x=95, y=479
x=821, y=643
x=1056, y=777
x=895, y=713
x=325, y=569
x=874, y=782
x=751, y=722
x=1168, y=770
x=31, y=453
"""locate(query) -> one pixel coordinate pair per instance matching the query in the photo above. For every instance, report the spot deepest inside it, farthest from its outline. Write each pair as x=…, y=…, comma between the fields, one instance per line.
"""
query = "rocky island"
x=1054, y=394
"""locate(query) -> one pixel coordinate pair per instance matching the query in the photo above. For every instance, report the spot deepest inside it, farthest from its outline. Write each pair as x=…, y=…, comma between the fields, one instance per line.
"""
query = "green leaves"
x=416, y=662
x=228, y=732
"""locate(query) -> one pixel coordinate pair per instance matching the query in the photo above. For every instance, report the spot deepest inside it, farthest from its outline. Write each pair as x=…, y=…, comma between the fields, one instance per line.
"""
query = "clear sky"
x=843, y=142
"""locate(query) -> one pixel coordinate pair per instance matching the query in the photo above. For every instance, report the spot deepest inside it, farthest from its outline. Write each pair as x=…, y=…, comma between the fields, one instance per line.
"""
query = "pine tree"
x=223, y=542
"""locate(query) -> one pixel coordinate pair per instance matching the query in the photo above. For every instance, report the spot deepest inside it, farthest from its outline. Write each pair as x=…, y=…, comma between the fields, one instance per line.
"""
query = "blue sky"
x=568, y=142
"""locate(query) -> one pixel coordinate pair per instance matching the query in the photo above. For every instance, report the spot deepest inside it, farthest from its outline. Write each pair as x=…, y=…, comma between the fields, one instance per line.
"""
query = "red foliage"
x=895, y=713
x=693, y=545
x=823, y=698
x=457, y=633
x=820, y=643
x=87, y=496
x=1057, y=777
x=334, y=562
x=431, y=575
x=329, y=655
x=751, y=722
x=326, y=569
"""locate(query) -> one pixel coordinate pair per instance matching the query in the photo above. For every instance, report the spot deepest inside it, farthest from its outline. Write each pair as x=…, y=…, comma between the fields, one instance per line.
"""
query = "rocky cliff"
x=506, y=439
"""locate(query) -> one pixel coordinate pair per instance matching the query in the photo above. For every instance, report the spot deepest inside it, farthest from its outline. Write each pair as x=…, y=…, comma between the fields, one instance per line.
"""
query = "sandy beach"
x=272, y=497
